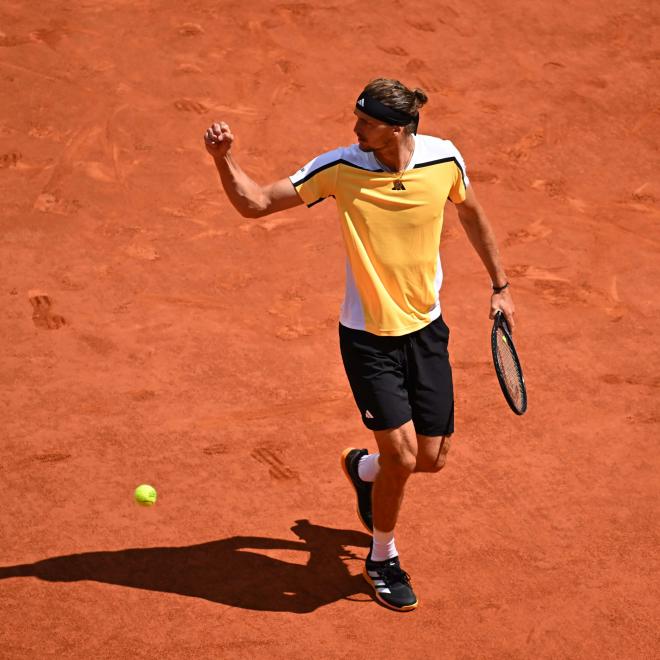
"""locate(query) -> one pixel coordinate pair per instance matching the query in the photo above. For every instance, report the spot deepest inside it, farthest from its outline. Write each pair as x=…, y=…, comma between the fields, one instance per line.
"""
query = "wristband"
x=499, y=289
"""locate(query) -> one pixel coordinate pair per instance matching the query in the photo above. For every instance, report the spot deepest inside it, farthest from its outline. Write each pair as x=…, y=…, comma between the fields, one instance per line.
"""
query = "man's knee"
x=398, y=451
x=438, y=464
x=432, y=456
x=399, y=463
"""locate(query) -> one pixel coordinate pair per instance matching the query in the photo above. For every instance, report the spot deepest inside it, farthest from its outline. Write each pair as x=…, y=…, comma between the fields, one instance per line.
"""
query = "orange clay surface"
x=150, y=334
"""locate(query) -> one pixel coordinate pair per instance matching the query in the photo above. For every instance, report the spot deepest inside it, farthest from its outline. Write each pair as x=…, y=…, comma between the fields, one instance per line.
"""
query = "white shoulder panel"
x=430, y=149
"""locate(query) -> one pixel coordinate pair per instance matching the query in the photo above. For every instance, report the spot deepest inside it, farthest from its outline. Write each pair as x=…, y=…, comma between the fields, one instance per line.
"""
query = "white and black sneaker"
x=349, y=463
x=390, y=583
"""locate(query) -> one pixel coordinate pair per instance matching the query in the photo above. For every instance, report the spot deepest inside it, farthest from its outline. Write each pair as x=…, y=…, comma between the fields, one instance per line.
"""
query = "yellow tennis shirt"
x=392, y=237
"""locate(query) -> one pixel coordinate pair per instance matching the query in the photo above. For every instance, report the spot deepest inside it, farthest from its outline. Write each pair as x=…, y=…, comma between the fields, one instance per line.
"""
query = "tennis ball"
x=145, y=495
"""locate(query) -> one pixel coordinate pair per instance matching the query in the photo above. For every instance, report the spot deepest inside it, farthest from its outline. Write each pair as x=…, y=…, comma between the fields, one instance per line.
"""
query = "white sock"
x=383, y=546
x=368, y=467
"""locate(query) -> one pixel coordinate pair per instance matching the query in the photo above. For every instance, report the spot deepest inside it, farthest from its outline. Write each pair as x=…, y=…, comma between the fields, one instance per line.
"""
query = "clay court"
x=149, y=334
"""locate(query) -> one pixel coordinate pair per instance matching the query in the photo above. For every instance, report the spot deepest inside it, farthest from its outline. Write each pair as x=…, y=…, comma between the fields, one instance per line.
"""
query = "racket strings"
x=509, y=369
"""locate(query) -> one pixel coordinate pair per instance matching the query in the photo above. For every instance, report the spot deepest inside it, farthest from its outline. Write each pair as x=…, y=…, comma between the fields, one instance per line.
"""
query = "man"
x=390, y=190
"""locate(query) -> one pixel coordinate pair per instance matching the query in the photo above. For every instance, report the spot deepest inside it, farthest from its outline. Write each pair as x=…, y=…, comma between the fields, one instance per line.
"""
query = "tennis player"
x=390, y=190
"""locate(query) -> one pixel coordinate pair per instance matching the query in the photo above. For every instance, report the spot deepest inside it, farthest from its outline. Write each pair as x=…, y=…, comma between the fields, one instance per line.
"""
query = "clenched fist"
x=218, y=139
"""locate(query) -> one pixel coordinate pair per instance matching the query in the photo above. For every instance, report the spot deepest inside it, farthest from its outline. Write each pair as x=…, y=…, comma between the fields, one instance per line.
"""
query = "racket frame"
x=500, y=322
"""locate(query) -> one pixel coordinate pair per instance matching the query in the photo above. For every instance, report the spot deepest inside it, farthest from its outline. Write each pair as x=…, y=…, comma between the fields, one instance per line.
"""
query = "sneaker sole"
x=344, y=454
x=382, y=601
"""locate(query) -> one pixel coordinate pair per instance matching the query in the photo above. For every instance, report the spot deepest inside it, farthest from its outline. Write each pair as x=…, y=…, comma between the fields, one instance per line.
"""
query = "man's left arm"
x=481, y=235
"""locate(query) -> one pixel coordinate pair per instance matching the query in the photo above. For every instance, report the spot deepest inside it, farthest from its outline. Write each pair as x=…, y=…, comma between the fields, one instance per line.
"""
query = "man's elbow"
x=255, y=208
x=254, y=212
x=251, y=213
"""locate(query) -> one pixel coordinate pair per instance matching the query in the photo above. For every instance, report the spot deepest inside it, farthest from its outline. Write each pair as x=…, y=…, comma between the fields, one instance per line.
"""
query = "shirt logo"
x=398, y=185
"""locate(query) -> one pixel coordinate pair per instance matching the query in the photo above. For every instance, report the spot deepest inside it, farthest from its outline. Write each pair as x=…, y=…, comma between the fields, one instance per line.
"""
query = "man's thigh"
x=430, y=386
x=376, y=372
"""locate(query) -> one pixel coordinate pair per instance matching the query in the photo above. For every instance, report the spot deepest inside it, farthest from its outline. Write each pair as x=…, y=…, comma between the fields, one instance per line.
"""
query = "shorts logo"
x=361, y=103
x=368, y=415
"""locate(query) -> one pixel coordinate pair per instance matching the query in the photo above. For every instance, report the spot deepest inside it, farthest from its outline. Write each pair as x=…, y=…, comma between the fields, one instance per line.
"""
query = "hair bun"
x=420, y=97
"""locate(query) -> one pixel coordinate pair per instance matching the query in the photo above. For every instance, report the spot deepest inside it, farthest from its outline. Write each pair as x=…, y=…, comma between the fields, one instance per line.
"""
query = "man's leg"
x=398, y=460
x=432, y=452
x=363, y=468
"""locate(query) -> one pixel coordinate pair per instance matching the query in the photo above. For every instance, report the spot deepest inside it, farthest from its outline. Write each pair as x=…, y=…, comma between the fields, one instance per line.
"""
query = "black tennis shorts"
x=396, y=379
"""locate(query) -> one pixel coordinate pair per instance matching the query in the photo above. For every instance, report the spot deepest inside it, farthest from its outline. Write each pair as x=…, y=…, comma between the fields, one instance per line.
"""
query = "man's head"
x=386, y=111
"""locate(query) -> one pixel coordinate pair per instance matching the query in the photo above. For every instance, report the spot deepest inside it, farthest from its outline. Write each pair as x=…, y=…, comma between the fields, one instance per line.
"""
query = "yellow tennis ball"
x=145, y=495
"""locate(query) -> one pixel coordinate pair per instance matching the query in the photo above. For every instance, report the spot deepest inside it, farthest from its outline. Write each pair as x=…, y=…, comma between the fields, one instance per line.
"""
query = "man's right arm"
x=249, y=198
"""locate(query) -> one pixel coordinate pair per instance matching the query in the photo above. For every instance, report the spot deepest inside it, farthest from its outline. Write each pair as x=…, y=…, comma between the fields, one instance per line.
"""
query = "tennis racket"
x=507, y=365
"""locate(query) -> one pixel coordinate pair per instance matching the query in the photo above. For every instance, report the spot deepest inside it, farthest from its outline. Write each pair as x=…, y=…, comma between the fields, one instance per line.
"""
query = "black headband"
x=374, y=108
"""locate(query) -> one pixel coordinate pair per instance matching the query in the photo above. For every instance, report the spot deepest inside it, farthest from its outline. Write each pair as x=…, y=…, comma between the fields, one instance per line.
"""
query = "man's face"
x=372, y=134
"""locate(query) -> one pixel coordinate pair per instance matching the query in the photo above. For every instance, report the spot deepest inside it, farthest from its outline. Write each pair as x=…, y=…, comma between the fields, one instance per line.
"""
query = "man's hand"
x=503, y=302
x=218, y=139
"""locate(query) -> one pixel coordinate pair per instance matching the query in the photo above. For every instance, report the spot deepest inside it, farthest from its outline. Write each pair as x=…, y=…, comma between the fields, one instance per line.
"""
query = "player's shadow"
x=234, y=571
